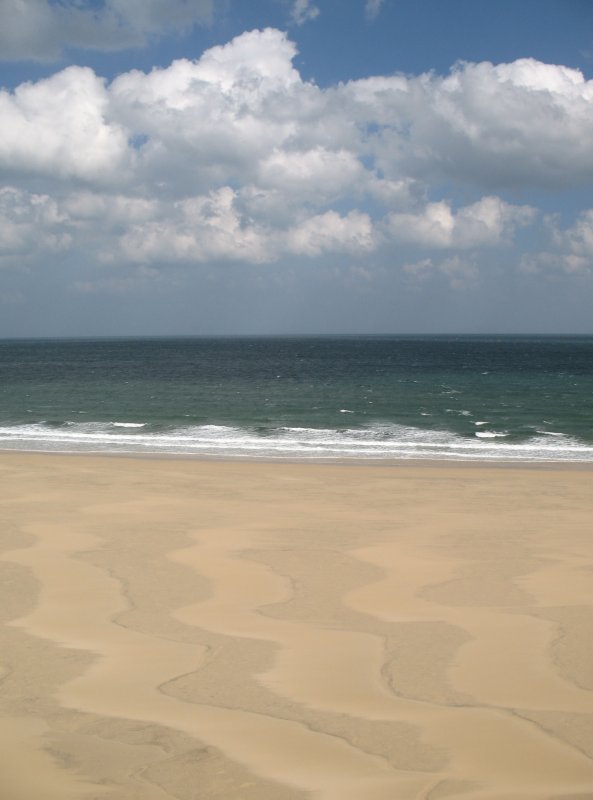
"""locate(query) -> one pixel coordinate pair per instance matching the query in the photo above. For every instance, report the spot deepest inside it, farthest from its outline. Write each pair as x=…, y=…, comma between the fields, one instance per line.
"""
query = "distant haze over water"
x=492, y=398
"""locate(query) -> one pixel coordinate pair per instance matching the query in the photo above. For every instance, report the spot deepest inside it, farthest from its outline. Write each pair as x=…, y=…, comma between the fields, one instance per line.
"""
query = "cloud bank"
x=234, y=157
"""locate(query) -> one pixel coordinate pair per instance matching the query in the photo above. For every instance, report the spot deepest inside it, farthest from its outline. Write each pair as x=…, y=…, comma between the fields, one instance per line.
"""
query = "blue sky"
x=286, y=166
x=343, y=42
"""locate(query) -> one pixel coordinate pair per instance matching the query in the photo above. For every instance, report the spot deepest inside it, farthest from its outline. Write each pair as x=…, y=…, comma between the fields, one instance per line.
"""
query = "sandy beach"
x=251, y=631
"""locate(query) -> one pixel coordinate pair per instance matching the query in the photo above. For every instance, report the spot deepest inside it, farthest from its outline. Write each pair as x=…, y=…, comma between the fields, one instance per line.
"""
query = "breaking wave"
x=375, y=442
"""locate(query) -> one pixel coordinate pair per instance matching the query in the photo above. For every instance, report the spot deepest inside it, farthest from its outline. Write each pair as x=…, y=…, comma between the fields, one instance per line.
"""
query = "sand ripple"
x=157, y=574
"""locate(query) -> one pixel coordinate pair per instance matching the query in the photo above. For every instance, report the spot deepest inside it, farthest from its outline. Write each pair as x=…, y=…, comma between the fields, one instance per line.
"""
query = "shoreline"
x=432, y=463
x=271, y=631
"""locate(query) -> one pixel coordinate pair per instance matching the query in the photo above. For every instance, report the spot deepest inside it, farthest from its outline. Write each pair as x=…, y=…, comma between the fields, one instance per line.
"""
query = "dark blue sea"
x=492, y=398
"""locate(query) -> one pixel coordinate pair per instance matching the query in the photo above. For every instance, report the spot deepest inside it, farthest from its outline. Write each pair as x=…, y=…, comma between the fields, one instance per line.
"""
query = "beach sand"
x=250, y=631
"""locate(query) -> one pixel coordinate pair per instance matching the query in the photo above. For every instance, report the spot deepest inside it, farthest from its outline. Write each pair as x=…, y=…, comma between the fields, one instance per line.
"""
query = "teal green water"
x=524, y=398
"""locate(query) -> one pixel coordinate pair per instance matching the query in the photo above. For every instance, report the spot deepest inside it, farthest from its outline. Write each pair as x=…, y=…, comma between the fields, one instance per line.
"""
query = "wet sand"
x=184, y=629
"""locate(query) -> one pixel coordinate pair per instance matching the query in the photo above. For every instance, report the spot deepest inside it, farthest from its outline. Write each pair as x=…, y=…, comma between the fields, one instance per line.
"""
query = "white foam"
x=377, y=442
x=128, y=424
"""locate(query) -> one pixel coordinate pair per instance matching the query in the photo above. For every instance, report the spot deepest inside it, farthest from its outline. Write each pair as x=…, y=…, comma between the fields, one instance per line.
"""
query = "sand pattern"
x=177, y=629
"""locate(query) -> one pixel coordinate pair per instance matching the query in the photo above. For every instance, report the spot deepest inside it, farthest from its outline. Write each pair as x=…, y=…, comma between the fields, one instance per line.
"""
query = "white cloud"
x=579, y=238
x=30, y=225
x=234, y=157
x=510, y=125
x=241, y=76
x=40, y=30
x=241, y=115
x=488, y=222
x=372, y=8
x=115, y=210
x=460, y=272
x=212, y=228
x=312, y=174
x=571, y=250
x=117, y=229
x=58, y=127
x=303, y=11
x=197, y=229
x=213, y=120
x=331, y=232
x=396, y=194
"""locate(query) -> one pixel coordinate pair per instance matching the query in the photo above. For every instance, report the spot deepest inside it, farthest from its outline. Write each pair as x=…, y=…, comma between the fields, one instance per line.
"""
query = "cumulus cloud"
x=488, y=222
x=578, y=239
x=495, y=126
x=30, y=224
x=331, y=232
x=40, y=30
x=196, y=229
x=58, y=127
x=571, y=248
x=311, y=174
x=212, y=228
x=233, y=156
x=241, y=114
x=90, y=208
x=209, y=121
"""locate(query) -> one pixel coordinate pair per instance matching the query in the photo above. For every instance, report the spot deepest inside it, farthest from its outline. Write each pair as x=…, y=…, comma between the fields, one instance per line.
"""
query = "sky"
x=205, y=167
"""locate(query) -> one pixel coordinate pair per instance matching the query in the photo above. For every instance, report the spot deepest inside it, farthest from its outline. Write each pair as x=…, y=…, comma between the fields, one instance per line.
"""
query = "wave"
x=376, y=442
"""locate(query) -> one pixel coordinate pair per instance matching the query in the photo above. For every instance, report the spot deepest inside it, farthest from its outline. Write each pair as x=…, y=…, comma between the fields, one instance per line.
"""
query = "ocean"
x=456, y=398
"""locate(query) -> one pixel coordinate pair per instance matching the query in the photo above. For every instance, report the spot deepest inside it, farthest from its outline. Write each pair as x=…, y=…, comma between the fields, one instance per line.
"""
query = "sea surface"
x=493, y=398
